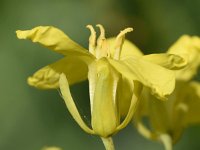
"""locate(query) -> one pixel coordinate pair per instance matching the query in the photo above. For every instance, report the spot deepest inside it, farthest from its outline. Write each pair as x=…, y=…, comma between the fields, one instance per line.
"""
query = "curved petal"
x=128, y=49
x=45, y=78
x=124, y=95
x=169, y=61
x=161, y=81
x=74, y=68
x=132, y=108
x=104, y=110
x=53, y=39
x=64, y=88
x=187, y=47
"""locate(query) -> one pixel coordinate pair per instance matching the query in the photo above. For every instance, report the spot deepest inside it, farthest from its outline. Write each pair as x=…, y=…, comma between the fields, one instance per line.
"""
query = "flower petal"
x=132, y=108
x=53, y=39
x=64, y=88
x=169, y=61
x=187, y=47
x=161, y=81
x=104, y=111
x=75, y=69
x=124, y=95
x=128, y=49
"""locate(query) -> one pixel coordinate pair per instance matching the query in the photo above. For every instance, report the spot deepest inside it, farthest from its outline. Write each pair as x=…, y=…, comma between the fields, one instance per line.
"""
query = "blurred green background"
x=31, y=118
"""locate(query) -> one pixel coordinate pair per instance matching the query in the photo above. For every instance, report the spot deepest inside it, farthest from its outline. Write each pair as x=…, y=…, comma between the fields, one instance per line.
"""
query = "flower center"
x=100, y=48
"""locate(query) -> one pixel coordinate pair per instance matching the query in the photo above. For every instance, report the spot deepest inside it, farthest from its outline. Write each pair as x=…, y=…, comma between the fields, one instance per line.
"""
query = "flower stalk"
x=108, y=143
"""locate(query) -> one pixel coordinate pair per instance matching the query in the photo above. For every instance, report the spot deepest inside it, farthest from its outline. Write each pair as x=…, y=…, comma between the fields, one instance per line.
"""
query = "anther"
x=92, y=39
x=102, y=46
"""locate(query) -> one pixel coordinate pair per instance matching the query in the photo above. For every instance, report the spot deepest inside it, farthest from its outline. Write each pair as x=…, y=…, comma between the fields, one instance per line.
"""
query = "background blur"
x=31, y=118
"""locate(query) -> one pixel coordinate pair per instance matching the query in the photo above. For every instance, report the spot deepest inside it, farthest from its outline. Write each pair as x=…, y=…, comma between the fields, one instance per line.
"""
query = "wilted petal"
x=64, y=88
x=161, y=81
x=75, y=69
x=53, y=39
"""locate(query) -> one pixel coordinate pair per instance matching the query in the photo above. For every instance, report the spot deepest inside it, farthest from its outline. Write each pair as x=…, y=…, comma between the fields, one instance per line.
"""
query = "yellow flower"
x=115, y=75
x=169, y=118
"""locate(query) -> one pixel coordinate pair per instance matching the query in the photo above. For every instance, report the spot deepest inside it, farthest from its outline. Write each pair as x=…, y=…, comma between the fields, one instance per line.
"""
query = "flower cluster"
x=168, y=119
x=122, y=80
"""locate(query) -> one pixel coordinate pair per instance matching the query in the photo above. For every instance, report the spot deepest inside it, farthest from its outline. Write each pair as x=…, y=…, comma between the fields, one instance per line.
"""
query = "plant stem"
x=108, y=143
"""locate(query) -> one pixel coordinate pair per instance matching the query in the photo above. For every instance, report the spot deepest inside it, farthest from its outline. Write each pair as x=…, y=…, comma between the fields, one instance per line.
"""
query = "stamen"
x=102, y=46
x=119, y=42
x=123, y=32
x=92, y=39
x=102, y=35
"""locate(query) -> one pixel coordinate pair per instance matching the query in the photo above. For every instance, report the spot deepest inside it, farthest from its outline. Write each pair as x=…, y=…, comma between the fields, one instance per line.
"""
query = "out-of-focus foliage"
x=30, y=118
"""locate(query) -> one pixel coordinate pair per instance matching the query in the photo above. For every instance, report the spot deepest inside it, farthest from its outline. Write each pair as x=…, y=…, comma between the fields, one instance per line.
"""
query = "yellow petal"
x=169, y=61
x=53, y=39
x=64, y=88
x=124, y=95
x=132, y=108
x=128, y=49
x=75, y=69
x=187, y=47
x=45, y=78
x=161, y=81
x=104, y=110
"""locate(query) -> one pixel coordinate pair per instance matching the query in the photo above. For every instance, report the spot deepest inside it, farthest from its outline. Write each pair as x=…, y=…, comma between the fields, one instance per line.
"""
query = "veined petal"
x=169, y=61
x=104, y=111
x=161, y=81
x=128, y=49
x=64, y=88
x=53, y=39
x=75, y=69
x=187, y=47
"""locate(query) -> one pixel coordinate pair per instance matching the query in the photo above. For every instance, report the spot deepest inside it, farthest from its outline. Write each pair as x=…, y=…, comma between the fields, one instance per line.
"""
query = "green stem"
x=108, y=143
